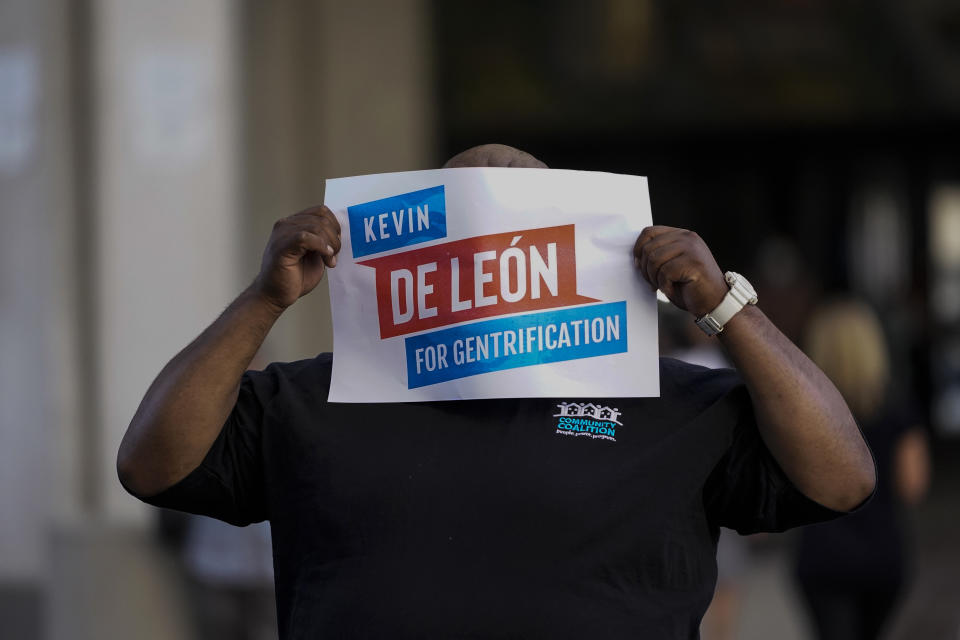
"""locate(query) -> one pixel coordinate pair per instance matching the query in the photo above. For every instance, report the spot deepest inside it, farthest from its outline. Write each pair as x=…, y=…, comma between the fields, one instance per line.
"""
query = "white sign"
x=490, y=283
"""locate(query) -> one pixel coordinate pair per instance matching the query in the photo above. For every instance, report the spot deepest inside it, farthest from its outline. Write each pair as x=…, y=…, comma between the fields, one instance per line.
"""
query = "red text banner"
x=476, y=277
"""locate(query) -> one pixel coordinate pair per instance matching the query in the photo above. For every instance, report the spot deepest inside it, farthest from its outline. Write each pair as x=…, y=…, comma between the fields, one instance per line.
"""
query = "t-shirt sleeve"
x=229, y=483
x=748, y=491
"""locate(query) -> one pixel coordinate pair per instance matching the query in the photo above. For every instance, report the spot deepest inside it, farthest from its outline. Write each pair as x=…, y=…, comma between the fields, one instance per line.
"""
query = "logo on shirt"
x=588, y=419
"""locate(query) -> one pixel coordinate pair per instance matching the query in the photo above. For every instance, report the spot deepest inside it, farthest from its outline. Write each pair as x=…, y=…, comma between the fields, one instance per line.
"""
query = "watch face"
x=736, y=280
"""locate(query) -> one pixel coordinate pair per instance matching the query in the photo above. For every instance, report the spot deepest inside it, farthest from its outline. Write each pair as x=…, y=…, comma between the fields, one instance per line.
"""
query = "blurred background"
x=147, y=147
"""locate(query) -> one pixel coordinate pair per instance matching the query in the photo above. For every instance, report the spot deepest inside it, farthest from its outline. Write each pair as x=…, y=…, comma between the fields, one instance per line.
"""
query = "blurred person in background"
x=231, y=573
x=851, y=571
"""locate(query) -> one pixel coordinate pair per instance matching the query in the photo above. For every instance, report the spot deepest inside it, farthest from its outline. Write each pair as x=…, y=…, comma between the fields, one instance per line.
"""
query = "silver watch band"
x=741, y=294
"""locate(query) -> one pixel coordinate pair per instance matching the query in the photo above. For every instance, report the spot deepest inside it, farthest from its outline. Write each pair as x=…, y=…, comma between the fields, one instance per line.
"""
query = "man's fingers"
x=679, y=263
x=656, y=233
x=332, y=228
x=330, y=217
x=650, y=248
x=651, y=232
x=671, y=273
x=327, y=229
x=302, y=242
x=654, y=258
x=319, y=211
x=318, y=217
x=658, y=245
x=645, y=250
x=298, y=242
x=651, y=239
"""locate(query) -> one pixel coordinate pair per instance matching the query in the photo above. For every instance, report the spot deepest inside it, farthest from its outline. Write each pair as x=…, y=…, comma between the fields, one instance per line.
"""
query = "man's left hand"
x=679, y=263
x=802, y=418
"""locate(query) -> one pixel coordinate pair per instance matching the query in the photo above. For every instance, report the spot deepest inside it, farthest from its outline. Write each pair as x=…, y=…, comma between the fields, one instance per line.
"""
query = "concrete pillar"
x=39, y=415
x=167, y=218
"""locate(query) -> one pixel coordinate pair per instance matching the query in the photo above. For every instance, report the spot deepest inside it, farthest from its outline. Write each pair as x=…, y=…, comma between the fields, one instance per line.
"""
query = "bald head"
x=494, y=155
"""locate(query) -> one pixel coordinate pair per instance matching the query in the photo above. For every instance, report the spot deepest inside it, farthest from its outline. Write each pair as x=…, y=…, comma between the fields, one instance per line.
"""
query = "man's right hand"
x=184, y=409
x=299, y=248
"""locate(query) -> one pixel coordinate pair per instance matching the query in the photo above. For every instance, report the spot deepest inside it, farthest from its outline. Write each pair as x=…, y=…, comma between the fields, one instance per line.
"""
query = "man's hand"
x=186, y=406
x=800, y=414
x=299, y=248
x=678, y=262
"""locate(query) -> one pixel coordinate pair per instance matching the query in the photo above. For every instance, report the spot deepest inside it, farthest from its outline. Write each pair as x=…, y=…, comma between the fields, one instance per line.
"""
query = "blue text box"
x=516, y=341
x=398, y=221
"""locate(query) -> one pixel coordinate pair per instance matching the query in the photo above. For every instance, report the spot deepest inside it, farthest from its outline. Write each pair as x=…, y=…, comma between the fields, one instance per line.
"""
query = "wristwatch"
x=740, y=295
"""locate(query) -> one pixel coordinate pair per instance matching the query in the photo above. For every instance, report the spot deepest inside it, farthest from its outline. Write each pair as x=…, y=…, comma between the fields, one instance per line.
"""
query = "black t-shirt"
x=533, y=518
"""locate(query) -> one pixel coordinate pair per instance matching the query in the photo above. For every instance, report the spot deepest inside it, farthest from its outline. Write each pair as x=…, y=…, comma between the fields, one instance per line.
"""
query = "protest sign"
x=490, y=283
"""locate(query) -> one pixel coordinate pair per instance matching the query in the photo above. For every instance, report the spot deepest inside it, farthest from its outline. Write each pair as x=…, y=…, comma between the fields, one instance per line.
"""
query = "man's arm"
x=801, y=416
x=184, y=409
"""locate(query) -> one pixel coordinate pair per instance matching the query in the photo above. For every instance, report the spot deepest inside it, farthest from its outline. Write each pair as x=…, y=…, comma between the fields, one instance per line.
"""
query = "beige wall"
x=39, y=408
x=335, y=89
x=167, y=216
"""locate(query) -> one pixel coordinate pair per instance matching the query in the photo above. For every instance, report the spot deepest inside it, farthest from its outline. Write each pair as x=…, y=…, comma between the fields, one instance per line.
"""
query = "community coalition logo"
x=480, y=304
x=588, y=419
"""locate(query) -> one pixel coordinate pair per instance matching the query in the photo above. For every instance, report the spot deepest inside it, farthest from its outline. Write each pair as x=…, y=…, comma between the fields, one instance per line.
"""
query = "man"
x=473, y=518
